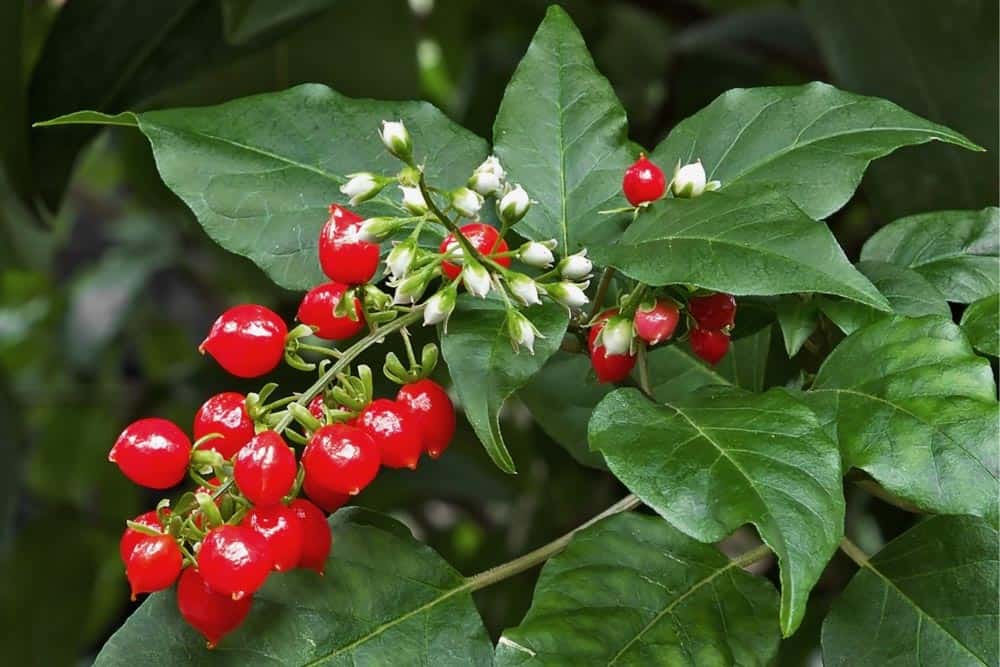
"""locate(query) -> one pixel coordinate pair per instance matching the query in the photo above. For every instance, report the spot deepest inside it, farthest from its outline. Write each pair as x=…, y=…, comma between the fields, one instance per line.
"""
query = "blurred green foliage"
x=107, y=282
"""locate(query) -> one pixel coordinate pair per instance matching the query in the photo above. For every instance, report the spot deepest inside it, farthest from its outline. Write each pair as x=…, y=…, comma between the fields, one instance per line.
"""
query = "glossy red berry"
x=658, y=323
x=316, y=535
x=608, y=368
x=316, y=310
x=247, y=340
x=329, y=500
x=234, y=560
x=715, y=311
x=484, y=238
x=643, y=182
x=343, y=256
x=212, y=614
x=132, y=537
x=282, y=529
x=428, y=403
x=316, y=407
x=154, y=564
x=226, y=414
x=340, y=459
x=708, y=344
x=395, y=431
x=265, y=469
x=152, y=452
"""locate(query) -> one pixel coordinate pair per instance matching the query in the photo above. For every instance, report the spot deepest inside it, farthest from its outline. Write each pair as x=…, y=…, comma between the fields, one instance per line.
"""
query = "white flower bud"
x=411, y=289
x=576, y=266
x=438, y=308
x=521, y=331
x=400, y=259
x=514, y=205
x=375, y=229
x=413, y=200
x=476, y=279
x=569, y=294
x=616, y=336
x=689, y=180
x=362, y=187
x=487, y=179
x=454, y=252
x=524, y=288
x=397, y=140
x=537, y=254
x=467, y=202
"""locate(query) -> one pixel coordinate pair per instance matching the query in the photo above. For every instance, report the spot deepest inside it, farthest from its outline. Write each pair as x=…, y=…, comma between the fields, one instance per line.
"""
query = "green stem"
x=602, y=290
x=751, y=556
x=854, y=552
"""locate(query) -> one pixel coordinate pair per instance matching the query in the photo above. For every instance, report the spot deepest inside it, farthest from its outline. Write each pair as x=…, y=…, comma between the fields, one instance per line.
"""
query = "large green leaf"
x=914, y=407
x=385, y=599
x=744, y=244
x=811, y=143
x=259, y=172
x=957, y=251
x=485, y=367
x=631, y=590
x=937, y=60
x=722, y=458
x=797, y=318
x=929, y=597
x=562, y=133
x=981, y=322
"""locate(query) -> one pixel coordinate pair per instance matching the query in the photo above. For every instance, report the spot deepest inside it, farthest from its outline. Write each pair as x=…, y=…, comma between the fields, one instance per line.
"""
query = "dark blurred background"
x=107, y=283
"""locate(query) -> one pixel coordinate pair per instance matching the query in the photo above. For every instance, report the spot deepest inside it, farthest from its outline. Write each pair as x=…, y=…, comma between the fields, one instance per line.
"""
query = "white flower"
x=576, y=266
x=514, y=205
x=439, y=306
x=411, y=289
x=537, y=254
x=569, y=294
x=400, y=259
x=397, y=139
x=476, y=279
x=487, y=179
x=521, y=331
x=467, y=202
x=454, y=252
x=616, y=336
x=413, y=200
x=524, y=288
x=689, y=181
x=362, y=187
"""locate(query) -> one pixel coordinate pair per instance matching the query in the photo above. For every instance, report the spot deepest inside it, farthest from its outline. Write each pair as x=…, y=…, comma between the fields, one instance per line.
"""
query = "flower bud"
x=523, y=288
x=616, y=336
x=576, y=266
x=400, y=259
x=521, y=331
x=363, y=186
x=689, y=181
x=514, y=205
x=413, y=200
x=476, y=279
x=397, y=140
x=375, y=229
x=569, y=294
x=487, y=179
x=467, y=202
x=439, y=307
x=409, y=290
x=538, y=255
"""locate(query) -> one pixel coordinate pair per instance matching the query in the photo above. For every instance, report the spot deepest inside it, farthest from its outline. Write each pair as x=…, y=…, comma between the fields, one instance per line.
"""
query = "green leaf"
x=385, y=599
x=259, y=172
x=981, y=322
x=722, y=458
x=908, y=292
x=247, y=19
x=797, y=318
x=746, y=244
x=928, y=597
x=913, y=406
x=811, y=143
x=956, y=251
x=485, y=367
x=632, y=590
x=562, y=133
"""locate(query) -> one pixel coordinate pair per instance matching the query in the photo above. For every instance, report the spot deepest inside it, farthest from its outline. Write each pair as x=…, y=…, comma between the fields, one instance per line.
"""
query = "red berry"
x=709, y=344
x=316, y=535
x=428, y=403
x=484, y=238
x=282, y=529
x=643, y=182
x=132, y=537
x=316, y=310
x=316, y=407
x=608, y=368
x=397, y=433
x=152, y=452
x=340, y=459
x=247, y=340
x=265, y=469
x=234, y=560
x=226, y=414
x=154, y=564
x=330, y=501
x=343, y=256
x=212, y=614
x=715, y=311
x=658, y=323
